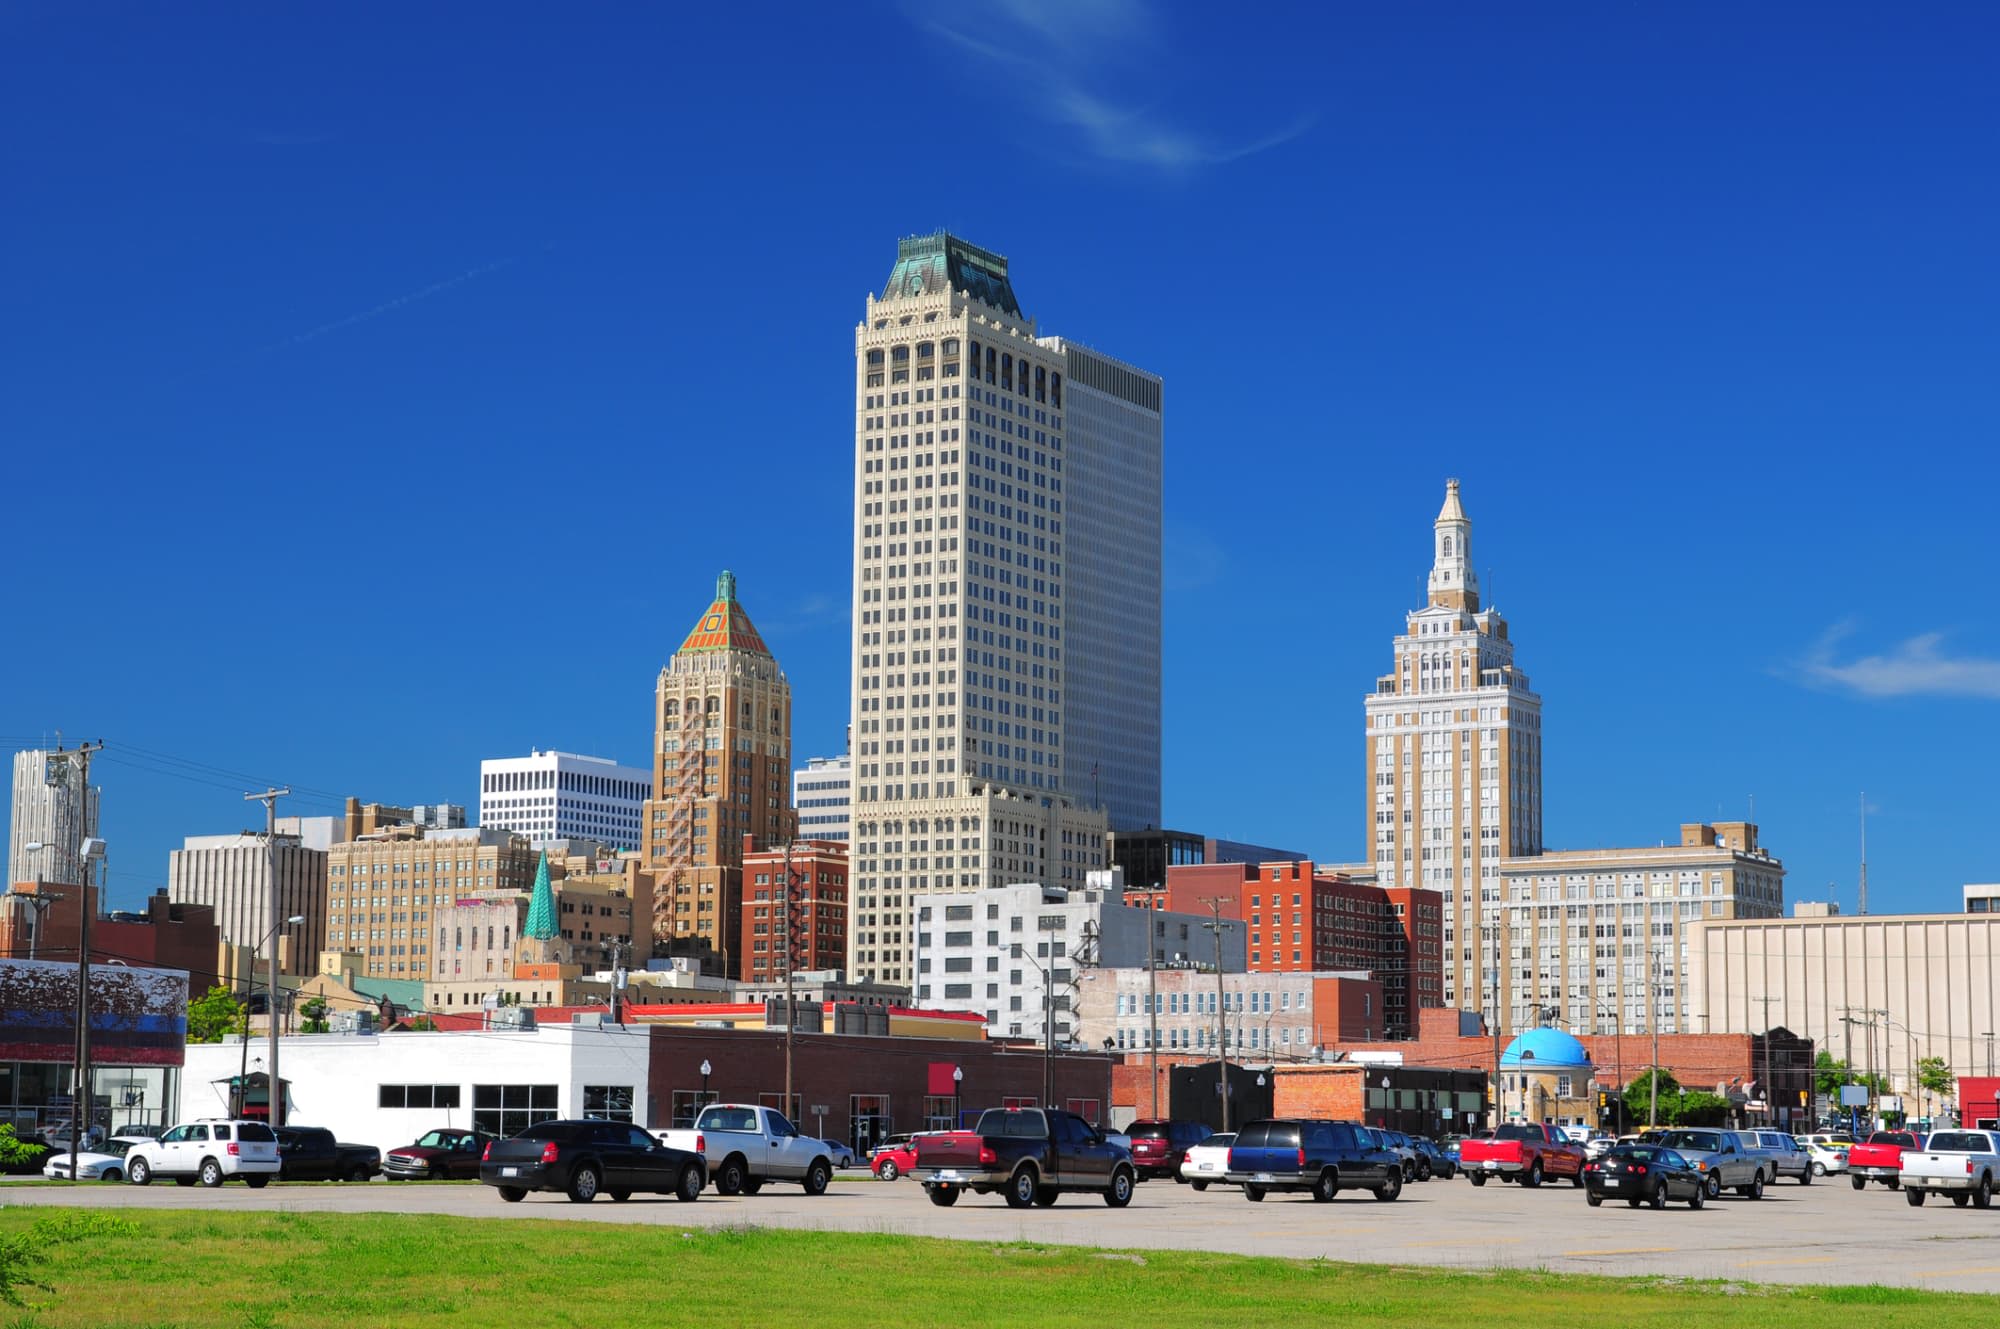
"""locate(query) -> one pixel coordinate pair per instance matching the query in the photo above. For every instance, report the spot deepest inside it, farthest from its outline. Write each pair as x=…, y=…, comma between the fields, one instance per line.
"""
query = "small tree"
x=312, y=1015
x=1639, y=1096
x=1934, y=1074
x=216, y=1014
x=1695, y=1108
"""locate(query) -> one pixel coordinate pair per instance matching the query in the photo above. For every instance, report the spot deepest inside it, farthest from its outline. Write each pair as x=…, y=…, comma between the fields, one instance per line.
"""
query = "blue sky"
x=382, y=389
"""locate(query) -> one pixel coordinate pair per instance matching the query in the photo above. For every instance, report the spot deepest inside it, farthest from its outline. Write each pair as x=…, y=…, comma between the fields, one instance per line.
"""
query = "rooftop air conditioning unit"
x=514, y=1017
x=590, y=1019
x=353, y=1022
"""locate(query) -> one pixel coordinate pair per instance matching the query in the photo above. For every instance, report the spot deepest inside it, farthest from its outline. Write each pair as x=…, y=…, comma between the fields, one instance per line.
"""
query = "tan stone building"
x=385, y=890
x=1453, y=756
x=722, y=753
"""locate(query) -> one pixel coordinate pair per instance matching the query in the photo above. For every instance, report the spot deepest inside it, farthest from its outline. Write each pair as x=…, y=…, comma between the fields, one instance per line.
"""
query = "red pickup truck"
x=1523, y=1153
x=1881, y=1159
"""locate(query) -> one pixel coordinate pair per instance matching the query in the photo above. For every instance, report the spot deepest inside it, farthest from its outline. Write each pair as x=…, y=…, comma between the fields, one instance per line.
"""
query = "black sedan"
x=1643, y=1174
x=586, y=1158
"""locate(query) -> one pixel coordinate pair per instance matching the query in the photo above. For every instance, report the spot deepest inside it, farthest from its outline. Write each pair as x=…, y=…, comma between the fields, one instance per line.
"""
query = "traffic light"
x=1603, y=1100
x=1805, y=1098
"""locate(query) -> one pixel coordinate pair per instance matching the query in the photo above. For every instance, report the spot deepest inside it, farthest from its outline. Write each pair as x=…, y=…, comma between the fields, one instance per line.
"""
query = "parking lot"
x=1826, y=1233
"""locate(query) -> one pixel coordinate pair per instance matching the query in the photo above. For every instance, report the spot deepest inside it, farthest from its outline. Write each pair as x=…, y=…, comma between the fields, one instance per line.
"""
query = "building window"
x=417, y=1096
x=688, y=1104
x=508, y=1109
x=611, y=1102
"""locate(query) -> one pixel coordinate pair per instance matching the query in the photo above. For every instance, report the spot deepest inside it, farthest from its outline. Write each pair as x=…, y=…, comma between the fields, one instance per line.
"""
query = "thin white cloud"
x=388, y=306
x=1918, y=667
x=1064, y=49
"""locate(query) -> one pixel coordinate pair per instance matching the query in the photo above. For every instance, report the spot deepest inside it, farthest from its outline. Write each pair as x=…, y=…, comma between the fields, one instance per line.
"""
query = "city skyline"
x=1701, y=358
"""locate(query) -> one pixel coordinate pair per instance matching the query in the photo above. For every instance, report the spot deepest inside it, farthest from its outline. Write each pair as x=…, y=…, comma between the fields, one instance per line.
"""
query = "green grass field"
x=318, y=1270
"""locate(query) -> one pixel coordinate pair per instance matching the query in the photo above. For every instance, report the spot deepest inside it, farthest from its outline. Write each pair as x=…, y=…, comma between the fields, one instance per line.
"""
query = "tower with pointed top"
x=1454, y=763
x=541, y=934
x=722, y=753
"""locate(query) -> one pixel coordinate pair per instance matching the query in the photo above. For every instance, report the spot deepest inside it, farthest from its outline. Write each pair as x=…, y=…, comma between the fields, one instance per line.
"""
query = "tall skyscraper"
x=722, y=754
x=53, y=809
x=971, y=610
x=231, y=875
x=1454, y=761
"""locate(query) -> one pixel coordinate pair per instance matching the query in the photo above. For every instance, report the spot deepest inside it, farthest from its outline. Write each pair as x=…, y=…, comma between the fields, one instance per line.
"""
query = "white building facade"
x=563, y=796
x=53, y=809
x=1004, y=952
x=823, y=797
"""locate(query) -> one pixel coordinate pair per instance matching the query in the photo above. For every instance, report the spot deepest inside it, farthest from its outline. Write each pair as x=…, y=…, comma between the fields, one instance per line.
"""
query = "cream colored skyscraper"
x=960, y=774
x=1454, y=760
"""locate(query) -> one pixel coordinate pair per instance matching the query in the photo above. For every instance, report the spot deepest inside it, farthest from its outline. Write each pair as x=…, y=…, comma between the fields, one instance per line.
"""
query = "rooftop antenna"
x=1862, y=904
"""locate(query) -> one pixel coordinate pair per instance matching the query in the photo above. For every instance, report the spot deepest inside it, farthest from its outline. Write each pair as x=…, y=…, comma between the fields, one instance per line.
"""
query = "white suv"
x=211, y=1150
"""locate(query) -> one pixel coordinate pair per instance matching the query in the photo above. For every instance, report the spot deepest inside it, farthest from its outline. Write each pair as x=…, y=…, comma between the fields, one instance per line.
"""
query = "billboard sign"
x=138, y=1017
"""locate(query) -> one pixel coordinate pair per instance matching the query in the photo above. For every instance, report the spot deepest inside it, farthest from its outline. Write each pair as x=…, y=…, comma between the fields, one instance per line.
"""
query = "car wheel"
x=1327, y=1186
x=1534, y=1177
x=142, y=1173
x=357, y=1173
x=818, y=1176
x=1634, y=1202
x=183, y=1181
x=583, y=1184
x=1199, y=1185
x=1961, y=1199
x=211, y=1173
x=1253, y=1193
x=1390, y=1189
x=1893, y=1183
x=1818, y=1169
x=1805, y=1178
x=256, y=1183
x=1479, y=1178
x=1713, y=1185
x=1698, y=1199
x=1423, y=1169
x=688, y=1186
x=730, y=1177
x=109, y=1174
x=944, y=1197
x=513, y=1194
x=1659, y=1195
x=1576, y=1178
x=1982, y=1195
x=888, y=1171
x=1045, y=1196
x=1756, y=1191
x=751, y=1185
x=1859, y=1183
x=1022, y=1188
x=1916, y=1199
x=1593, y=1199
x=621, y=1195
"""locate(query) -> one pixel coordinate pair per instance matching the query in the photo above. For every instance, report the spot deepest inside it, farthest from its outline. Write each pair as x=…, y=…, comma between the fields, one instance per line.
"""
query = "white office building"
x=563, y=796
x=823, y=796
x=52, y=809
x=1003, y=952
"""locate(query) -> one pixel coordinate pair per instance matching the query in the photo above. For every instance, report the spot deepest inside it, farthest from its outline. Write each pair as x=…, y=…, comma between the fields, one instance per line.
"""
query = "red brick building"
x=819, y=937
x=166, y=934
x=1300, y=919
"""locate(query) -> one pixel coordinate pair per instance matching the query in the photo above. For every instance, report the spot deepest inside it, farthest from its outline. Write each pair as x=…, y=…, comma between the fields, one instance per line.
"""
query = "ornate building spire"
x=1454, y=585
x=542, y=906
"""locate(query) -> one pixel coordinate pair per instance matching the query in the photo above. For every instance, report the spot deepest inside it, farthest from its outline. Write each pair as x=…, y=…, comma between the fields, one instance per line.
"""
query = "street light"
x=957, y=1079
x=270, y=1013
x=89, y=851
x=705, y=1069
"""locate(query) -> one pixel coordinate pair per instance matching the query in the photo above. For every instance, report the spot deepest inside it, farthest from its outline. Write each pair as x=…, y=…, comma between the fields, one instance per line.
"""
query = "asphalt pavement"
x=1824, y=1233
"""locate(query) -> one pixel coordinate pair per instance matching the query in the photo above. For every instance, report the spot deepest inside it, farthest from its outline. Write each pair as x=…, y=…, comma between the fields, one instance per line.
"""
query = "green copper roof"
x=542, y=905
x=930, y=263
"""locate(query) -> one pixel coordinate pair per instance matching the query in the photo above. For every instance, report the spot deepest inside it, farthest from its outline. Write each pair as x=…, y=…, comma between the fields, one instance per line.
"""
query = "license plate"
x=510, y=1172
x=948, y=1176
x=1262, y=1176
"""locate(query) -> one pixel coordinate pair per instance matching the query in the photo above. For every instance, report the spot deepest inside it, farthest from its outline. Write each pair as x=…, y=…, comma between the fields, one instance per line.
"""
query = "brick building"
x=1300, y=919
x=166, y=934
x=819, y=924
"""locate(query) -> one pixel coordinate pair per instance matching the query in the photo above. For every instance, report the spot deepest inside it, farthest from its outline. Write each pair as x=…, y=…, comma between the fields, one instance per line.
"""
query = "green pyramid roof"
x=542, y=905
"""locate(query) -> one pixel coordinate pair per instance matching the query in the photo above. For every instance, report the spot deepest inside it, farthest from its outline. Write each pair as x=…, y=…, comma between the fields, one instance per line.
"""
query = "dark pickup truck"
x=1317, y=1156
x=1027, y=1154
x=310, y=1153
x=581, y=1158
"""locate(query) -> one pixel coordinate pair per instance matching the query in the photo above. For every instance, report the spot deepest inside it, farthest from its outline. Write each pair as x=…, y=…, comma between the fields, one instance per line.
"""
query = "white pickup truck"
x=747, y=1145
x=1961, y=1164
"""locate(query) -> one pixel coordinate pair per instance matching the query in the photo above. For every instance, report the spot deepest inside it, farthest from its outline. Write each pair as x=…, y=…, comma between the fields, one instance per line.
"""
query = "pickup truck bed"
x=1961, y=1164
x=1029, y=1155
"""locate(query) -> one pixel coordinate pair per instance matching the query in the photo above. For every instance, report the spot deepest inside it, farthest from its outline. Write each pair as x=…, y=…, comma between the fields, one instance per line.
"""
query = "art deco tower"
x=1454, y=762
x=722, y=754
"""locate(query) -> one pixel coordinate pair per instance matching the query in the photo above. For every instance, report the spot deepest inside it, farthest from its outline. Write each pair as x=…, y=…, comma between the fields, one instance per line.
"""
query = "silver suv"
x=1787, y=1159
x=211, y=1151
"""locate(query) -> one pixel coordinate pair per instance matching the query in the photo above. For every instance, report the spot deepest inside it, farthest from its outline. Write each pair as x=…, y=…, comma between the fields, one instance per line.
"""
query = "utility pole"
x=55, y=773
x=1847, y=1056
x=274, y=1093
x=1493, y=1018
x=1988, y=1036
x=791, y=1015
x=1217, y=926
x=1153, y=1011
x=1862, y=903
x=1769, y=1102
x=1653, y=1018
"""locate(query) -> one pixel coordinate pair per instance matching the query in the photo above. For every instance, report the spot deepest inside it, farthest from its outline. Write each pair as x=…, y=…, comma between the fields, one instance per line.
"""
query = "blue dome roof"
x=1544, y=1047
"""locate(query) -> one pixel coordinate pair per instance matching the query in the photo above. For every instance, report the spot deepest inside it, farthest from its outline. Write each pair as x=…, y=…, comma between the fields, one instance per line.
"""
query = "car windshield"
x=1707, y=1142
x=1024, y=1123
x=1903, y=1138
x=1961, y=1142
x=435, y=1140
x=1518, y=1133
x=1147, y=1130
x=1641, y=1153
x=254, y=1132
x=1219, y=1141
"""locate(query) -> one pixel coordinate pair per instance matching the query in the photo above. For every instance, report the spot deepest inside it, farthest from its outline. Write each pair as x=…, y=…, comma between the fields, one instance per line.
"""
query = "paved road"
x=1826, y=1233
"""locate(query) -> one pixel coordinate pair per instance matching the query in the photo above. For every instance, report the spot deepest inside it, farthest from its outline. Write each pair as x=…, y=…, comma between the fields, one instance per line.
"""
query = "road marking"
x=1629, y=1250
x=1949, y=1273
x=1814, y=1259
x=1469, y=1241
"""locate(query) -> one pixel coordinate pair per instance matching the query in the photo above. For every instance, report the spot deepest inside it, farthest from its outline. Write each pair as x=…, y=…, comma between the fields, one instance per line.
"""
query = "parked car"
x=1295, y=1154
x=1432, y=1160
x=1825, y=1157
x=894, y=1157
x=1787, y=1158
x=1881, y=1158
x=211, y=1151
x=1962, y=1164
x=1029, y=1155
x=1725, y=1158
x=582, y=1158
x=1158, y=1146
x=837, y=1153
x=310, y=1153
x=1207, y=1161
x=1597, y=1146
x=1523, y=1152
x=1401, y=1146
x=106, y=1163
x=1644, y=1174
x=437, y=1156
x=747, y=1145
